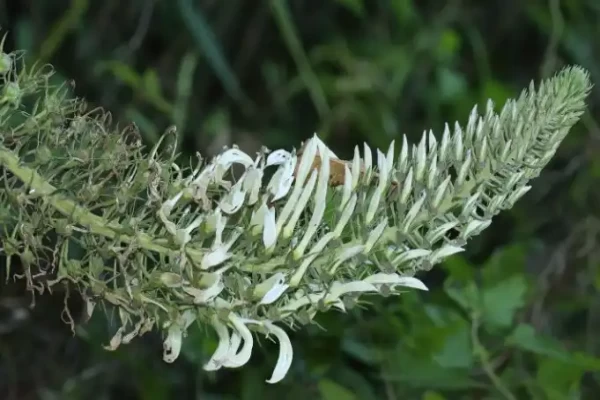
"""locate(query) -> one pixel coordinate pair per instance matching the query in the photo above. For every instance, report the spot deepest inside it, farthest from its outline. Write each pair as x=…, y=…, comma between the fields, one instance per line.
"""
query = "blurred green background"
x=516, y=317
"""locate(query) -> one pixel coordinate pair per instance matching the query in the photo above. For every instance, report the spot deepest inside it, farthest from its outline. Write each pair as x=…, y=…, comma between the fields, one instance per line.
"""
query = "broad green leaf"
x=459, y=268
x=525, y=338
x=355, y=6
x=466, y=294
x=330, y=390
x=360, y=350
x=355, y=380
x=558, y=379
x=422, y=371
x=501, y=301
x=456, y=351
x=507, y=261
x=454, y=348
x=430, y=395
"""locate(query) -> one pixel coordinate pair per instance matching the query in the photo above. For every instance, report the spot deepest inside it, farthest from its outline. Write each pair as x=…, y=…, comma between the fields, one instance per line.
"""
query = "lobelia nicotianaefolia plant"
x=83, y=203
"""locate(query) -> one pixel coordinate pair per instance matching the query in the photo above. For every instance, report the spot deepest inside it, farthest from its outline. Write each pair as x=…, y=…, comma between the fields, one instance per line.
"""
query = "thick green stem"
x=93, y=223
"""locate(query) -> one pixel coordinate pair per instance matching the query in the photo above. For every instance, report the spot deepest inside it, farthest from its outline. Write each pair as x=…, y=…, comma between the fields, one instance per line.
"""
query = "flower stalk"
x=170, y=246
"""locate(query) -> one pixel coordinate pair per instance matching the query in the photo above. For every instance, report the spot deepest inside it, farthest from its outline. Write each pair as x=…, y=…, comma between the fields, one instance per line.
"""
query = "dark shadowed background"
x=273, y=72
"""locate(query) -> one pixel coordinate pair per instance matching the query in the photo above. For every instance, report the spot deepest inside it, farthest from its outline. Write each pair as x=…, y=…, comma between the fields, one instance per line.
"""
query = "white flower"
x=220, y=251
x=237, y=357
x=269, y=230
x=215, y=223
x=346, y=214
x=356, y=168
x=347, y=253
x=214, y=287
x=320, y=201
x=281, y=182
x=252, y=184
x=220, y=354
x=257, y=220
x=172, y=344
x=394, y=280
x=322, y=148
x=368, y=163
x=165, y=211
x=375, y=235
x=300, y=205
x=347, y=188
x=306, y=162
x=444, y=252
x=225, y=160
x=271, y=289
x=278, y=157
x=234, y=199
x=199, y=186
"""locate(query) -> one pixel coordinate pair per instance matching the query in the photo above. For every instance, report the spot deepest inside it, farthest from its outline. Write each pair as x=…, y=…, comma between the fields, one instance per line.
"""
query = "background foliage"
x=516, y=317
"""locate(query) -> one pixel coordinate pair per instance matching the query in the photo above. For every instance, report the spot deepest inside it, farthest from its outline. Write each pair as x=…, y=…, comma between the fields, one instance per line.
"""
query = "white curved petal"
x=234, y=156
x=278, y=157
x=220, y=354
x=237, y=359
x=116, y=340
x=286, y=353
x=234, y=200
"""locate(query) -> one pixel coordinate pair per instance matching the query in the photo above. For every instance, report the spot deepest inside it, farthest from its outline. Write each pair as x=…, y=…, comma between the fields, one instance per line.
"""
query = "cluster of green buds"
x=250, y=244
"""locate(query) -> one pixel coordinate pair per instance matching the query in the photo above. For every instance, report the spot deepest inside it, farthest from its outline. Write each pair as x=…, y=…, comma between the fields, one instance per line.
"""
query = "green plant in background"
x=168, y=246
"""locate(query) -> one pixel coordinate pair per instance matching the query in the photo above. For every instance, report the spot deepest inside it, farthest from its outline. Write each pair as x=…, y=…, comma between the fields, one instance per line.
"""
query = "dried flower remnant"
x=182, y=246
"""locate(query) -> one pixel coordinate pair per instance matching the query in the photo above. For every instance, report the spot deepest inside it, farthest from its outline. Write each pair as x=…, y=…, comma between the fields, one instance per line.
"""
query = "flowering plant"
x=84, y=204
